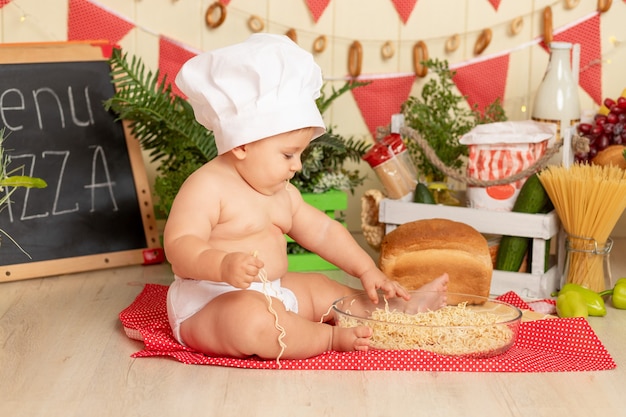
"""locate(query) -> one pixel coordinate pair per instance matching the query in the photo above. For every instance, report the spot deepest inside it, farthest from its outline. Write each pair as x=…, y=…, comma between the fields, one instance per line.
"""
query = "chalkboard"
x=96, y=211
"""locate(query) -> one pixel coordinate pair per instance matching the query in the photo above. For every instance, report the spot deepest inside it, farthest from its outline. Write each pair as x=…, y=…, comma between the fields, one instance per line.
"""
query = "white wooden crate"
x=540, y=227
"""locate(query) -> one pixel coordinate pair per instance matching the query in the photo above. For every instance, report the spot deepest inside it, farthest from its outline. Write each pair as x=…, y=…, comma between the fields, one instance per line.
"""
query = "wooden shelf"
x=539, y=283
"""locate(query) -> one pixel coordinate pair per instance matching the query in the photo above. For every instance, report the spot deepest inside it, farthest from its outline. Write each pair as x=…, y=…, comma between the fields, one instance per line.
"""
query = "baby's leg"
x=316, y=293
x=239, y=324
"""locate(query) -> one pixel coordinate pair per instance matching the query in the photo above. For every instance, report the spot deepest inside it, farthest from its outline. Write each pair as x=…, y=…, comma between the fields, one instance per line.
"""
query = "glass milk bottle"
x=557, y=99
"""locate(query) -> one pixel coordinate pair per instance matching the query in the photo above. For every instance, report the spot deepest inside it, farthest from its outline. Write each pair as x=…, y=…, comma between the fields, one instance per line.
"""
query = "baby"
x=226, y=228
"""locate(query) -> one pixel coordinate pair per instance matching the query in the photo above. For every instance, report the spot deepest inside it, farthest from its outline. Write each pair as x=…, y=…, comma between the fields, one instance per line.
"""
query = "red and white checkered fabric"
x=554, y=345
x=487, y=162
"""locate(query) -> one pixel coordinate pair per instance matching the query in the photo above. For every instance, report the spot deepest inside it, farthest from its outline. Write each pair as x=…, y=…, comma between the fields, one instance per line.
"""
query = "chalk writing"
x=59, y=131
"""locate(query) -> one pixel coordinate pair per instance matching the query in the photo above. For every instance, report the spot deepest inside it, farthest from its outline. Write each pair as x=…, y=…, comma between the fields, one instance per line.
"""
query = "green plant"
x=441, y=117
x=323, y=161
x=165, y=125
x=323, y=164
x=9, y=182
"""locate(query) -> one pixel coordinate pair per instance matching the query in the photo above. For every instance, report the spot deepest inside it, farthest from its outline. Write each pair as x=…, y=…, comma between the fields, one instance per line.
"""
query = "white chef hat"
x=261, y=87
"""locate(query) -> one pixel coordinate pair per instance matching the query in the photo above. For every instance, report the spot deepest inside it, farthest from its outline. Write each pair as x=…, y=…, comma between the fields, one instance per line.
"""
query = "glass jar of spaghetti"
x=587, y=263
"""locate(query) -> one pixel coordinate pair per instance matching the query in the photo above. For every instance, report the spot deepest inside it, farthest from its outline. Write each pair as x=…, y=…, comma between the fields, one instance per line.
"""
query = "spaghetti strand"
x=266, y=284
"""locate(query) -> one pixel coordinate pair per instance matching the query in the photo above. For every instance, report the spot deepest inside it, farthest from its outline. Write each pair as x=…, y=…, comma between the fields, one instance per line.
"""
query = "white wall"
x=372, y=22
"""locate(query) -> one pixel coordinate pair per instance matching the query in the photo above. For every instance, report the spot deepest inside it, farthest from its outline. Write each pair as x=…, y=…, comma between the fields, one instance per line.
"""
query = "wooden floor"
x=64, y=353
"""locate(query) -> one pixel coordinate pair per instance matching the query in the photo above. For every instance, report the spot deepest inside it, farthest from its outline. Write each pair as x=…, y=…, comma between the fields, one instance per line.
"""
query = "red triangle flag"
x=382, y=98
x=495, y=4
x=317, y=8
x=172, y=56
x=87, y=21
x=404, y=8
x=483, y=82
x=587, y=34
x=4, y=3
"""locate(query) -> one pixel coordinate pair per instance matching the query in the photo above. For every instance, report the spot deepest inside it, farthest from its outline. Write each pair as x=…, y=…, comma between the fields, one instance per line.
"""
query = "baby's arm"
x=187, y=235
x=328, y=238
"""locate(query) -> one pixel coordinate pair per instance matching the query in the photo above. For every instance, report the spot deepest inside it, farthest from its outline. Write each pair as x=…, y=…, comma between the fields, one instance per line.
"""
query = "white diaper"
x=185, y=297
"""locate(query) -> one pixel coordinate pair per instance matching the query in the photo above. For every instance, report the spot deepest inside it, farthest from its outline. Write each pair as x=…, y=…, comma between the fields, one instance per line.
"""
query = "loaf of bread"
x=415, y=253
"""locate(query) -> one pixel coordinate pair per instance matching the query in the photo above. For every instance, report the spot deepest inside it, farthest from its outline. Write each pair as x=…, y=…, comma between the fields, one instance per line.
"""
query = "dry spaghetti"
x=589, y=200
x=451, y=330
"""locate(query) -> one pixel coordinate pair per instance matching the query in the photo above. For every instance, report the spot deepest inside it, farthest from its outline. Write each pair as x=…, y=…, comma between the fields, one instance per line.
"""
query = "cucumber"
x=511, y=253
x=532, y=199
x=422, y=194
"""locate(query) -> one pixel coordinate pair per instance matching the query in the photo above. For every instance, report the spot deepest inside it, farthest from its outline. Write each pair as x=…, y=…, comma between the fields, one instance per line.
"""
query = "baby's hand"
x=374, y=280
x=240, y=269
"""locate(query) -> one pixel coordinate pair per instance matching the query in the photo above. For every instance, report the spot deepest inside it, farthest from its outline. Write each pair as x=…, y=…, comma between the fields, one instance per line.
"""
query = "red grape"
x=605, y=130
x=584, y=128
x=602, y=142
x=615, y=109
x=617, y=129
x=596, y=130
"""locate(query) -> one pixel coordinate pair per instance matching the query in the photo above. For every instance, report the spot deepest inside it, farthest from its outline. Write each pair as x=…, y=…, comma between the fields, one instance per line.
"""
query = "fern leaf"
x=162, y=122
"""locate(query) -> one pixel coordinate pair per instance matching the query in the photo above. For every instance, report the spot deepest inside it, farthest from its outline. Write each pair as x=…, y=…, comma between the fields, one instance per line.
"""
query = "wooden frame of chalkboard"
x=97, y=210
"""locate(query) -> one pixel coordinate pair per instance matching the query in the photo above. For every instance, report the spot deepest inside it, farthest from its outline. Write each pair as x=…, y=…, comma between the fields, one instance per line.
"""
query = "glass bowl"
x=466, y=325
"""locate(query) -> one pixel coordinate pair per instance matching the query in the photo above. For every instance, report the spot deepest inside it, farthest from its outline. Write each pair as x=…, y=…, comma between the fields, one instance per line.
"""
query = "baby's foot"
x=438, y=284
x=346, y=339
x=431, y=296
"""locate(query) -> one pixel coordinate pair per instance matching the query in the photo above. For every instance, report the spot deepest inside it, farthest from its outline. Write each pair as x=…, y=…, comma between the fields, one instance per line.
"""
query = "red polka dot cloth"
x=554, y=345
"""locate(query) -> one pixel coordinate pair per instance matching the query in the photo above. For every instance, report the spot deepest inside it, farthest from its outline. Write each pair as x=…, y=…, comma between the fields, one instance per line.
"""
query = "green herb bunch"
x=165, y=125
x=323, y=164
x=442, y=117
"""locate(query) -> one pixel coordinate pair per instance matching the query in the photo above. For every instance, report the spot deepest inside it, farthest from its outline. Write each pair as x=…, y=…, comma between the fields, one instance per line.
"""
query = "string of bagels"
x=216, y=14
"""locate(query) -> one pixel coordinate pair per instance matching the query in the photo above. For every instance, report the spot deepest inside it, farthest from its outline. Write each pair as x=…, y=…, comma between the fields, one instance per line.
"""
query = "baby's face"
x=273, y=161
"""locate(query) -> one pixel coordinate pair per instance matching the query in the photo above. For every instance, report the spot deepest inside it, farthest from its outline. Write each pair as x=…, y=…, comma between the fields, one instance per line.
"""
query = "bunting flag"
x=587, y=34
x=106, y=48
x=86, y=21
x=484, y=81
x=495, y=4
x=481, y=81
x=381, y=98
x=172, y=56
x=404, y=8
x=317, y=8
x=4, y=3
